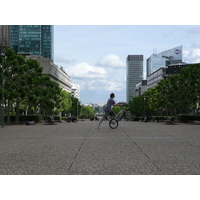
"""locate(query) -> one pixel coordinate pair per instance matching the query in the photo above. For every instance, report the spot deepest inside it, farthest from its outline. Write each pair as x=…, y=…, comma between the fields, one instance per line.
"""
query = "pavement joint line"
x=106, y=137
x=180, y=139
x=140, y=149
x=79, y=149
x=156, y=166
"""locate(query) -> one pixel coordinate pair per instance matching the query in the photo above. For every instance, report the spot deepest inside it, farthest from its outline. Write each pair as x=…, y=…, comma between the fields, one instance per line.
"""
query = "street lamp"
x=5, y=42
x=144, y=109
x=167, y=101
x=2, y=76
x=77, y=109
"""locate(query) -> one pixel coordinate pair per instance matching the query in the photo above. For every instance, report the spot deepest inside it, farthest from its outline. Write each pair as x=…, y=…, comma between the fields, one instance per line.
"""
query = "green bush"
x=86, y=116
x=55, y=117
x=159, y=118
x=136, y=119
x=24, y=118
x=191, y=117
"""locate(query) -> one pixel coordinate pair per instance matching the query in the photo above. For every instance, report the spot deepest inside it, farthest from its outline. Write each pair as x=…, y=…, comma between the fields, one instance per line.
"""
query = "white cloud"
x=196, y=44
x=106, y=85
x=107, y=76
x=192, y=56
x=60, y=59
x=110, y=60
x=185, y=53
x=84, y=70
x=195, y=53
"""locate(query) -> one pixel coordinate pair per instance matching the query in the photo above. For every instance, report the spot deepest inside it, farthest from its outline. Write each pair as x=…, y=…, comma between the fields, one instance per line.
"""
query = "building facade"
x=164, y=73
x=75, y=91
x=134, y=74
x=155, y=77
x=5, y=36
x=163, y=59
x=56, y=74
x=140, y=87
x=33, y=39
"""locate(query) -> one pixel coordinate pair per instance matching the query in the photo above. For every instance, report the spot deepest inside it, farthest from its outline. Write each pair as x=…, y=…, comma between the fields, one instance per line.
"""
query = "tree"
x=75, y=106
x=190, y=83
x=15, y=83
x=27, y=88
x=50, y=96
x=9, y=74
x=137, y=106
x=87, y=111
x=66, y=102
x=33, y=77
x=178, y=94
x=116, y=109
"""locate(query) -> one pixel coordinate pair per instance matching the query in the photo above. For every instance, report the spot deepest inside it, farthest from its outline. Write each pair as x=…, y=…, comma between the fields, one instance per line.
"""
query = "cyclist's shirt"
x=110, y=103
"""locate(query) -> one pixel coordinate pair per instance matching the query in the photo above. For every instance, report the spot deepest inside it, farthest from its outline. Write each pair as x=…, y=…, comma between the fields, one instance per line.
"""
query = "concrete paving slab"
x=36, y=150
x=111, y=156
x=171, y=153
x=81, y=148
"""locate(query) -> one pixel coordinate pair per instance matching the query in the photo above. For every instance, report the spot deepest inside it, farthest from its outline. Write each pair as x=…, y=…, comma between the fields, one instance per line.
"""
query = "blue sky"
x=95, y=55
x=93, y=38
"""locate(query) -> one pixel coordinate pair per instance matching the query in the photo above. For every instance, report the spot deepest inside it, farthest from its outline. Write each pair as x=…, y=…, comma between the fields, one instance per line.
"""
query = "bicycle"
x=115, y=121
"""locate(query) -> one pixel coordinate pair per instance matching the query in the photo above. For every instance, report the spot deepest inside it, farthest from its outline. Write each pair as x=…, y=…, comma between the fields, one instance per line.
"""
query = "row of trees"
x=28, y=91
x=180, y=94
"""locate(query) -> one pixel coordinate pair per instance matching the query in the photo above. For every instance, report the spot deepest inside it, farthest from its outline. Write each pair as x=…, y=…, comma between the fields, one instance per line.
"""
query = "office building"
x=140, y=88
x=134, y=74
x=76, y=91
x=33, y=39
x=164, y=73
x=5, y=36
x=155, y=77
x=56, y=73
x=163, y=59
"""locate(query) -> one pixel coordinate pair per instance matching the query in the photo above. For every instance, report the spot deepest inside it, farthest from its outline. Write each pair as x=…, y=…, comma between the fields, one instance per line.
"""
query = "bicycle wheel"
x=127, y=114
x=113, y=123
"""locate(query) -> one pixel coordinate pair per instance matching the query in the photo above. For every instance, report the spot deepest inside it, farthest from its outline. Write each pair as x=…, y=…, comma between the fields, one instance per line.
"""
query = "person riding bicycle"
x=108, y=108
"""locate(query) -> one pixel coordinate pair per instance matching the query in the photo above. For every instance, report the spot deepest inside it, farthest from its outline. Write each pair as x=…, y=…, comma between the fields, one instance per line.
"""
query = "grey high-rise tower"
x=134, y=74
x=34, y=39
x=4, y=35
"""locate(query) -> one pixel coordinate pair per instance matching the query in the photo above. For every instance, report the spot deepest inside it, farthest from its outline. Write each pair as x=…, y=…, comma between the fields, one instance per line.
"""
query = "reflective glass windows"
x=163, y=59
x=34, y=39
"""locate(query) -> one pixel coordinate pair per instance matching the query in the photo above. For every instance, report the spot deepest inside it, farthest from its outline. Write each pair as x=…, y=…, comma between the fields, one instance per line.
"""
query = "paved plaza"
x=134, y=148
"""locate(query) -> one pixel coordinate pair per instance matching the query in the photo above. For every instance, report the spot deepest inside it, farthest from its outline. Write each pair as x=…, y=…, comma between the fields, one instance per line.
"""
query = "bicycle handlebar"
x=123, y=104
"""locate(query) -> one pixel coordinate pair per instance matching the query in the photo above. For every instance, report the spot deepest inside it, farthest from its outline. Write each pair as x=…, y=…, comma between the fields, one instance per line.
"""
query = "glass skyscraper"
x=34, y=39
x=134, y=74
x=163, y=59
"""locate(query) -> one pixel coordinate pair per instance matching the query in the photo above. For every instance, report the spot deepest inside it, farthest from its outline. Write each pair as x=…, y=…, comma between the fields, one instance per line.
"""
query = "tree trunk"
x=8, y=112
x=17, y=112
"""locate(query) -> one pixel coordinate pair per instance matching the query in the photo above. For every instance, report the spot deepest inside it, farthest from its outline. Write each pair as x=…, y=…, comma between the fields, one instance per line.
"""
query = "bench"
x=146, y=119
x=30, y=123
x=51, y=120
x=170, y=120
x=71, y=119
